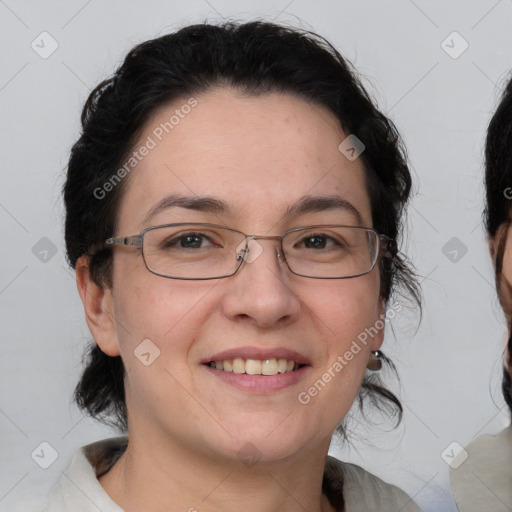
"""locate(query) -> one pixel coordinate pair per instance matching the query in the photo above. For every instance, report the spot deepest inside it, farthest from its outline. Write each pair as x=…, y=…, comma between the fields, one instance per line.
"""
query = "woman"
x=484, y=480
x=232, y=358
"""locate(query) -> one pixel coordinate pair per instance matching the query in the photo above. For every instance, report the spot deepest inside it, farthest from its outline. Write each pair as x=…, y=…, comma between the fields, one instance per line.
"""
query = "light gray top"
x=80, y=491
x=484, y=480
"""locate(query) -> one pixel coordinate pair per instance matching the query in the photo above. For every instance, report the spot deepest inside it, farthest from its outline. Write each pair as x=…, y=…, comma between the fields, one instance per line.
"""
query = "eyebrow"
x=213, y=205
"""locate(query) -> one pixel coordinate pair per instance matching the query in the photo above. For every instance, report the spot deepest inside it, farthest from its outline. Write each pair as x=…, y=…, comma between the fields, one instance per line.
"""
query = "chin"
x=264, y=440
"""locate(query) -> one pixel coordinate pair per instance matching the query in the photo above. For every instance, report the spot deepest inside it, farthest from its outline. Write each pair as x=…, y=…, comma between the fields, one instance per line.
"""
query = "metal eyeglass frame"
x=138, y=241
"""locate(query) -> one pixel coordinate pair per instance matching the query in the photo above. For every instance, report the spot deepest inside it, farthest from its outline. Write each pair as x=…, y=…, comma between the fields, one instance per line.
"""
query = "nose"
x=261, y=292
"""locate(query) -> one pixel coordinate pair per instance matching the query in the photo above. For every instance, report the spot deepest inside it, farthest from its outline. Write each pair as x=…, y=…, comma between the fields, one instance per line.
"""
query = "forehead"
x=259, y=155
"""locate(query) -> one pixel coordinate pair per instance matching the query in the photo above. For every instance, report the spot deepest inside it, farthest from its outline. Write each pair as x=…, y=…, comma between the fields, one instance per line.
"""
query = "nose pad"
x=249, y=250
x=280, y=254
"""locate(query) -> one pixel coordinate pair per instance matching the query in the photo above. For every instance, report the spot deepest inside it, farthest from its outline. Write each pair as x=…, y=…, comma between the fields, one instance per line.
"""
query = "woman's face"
x=260, y=156
x=505, y=279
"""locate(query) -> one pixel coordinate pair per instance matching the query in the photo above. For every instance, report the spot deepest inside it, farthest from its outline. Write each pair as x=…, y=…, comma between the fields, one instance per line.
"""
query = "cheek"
x=156, y=328
x=146, y=305
x=149, y=307
x=507, y=260
x=351, y=306
x=505, y=280
x=349, y=317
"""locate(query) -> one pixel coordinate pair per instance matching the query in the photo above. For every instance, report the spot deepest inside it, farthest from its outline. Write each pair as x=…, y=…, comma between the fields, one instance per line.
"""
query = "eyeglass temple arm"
x=135, y=240
x=388, y=243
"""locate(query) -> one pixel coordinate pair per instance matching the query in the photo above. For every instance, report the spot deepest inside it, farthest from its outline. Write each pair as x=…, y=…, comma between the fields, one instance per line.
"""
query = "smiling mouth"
x=269, y=367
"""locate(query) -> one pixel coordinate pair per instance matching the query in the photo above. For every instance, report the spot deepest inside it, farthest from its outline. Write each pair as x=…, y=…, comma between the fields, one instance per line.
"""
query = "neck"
x=161, y=476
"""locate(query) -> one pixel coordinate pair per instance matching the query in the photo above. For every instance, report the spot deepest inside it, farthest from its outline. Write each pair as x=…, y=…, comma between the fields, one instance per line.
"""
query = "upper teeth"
x=255, y=366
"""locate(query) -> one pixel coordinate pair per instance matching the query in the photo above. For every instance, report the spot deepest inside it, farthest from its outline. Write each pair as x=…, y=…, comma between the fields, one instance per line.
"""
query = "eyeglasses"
x=211, y=251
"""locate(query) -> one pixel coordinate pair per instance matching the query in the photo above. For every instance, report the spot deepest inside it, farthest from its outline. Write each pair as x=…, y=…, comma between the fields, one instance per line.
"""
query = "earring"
x=375, y=362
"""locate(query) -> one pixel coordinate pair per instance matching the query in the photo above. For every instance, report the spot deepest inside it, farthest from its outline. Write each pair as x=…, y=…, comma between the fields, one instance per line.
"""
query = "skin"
x=506, y=277
x=506, y=271
x=259, y=154
x=507, y=258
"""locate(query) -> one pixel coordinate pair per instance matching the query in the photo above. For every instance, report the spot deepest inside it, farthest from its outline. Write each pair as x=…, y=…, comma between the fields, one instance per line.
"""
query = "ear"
x=98, y=306
x=493, y=246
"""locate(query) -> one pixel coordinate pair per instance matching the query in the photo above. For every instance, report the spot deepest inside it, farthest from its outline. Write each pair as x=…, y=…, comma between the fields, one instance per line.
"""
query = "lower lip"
x=259, y=383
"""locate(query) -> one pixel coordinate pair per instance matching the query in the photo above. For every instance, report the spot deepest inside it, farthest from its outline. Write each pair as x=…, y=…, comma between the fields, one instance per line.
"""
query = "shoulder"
x=363, y=490
x=79, y=489
x=481, y=473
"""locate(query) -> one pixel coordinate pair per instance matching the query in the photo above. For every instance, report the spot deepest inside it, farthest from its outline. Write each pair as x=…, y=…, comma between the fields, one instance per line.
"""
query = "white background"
x=450, y=368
